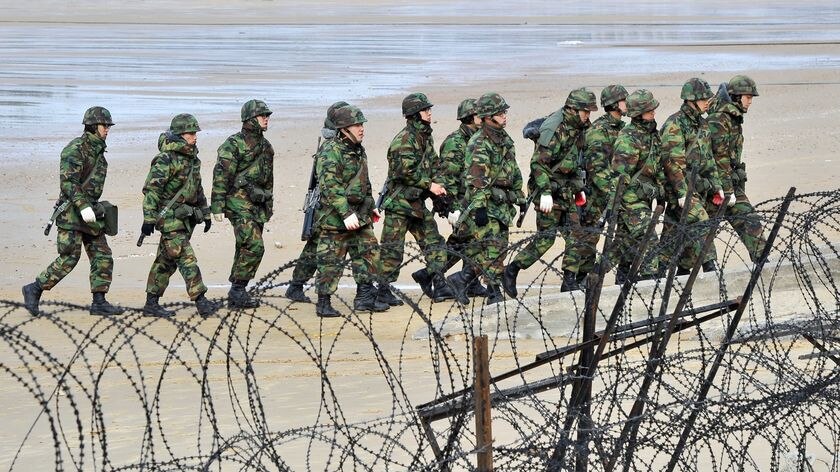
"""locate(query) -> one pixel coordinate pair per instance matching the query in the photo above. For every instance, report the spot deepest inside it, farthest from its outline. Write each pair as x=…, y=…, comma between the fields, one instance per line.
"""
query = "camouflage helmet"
x=612, y=94
x=490, y=104
x=97, y=116
x=581, y=99
x=466, y=109
x=742, y=85
x=184, y=123
x=347, y=115
x=253, y=108
x=696, y=89
x=414, y=103
x=328, y=123
x=640, y=101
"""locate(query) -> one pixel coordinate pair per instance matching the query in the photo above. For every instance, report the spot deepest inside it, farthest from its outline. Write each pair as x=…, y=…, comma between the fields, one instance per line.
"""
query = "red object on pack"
x=580, y=199
x=375, y=217
x=717, y=199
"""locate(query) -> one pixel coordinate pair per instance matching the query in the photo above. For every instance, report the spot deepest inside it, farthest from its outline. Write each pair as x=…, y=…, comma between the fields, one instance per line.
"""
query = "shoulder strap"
x=549, y=126
x=177, y=195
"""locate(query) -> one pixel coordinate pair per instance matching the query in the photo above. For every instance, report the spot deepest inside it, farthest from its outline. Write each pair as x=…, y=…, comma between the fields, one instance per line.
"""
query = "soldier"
x=686, y=144
x=494, y=189
x=556, y=177
x=174, y=203
x=636, y=155
x=243, y=182
x=725, y=120
x=345, y=215
x=598, y=149
x=79, y=216
x=451, y=169
x=411, y=161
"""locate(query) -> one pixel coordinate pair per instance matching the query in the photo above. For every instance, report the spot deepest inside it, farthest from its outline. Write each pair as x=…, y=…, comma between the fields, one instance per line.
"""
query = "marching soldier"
x=494, y=189
x=174, y=203
x=598, y=149
x=725, y=124
x=79, y=216
x=345, y=216
x=636, y=155
x=243, y=183
x=411, y=161
x=556, y=178
x=686, y=144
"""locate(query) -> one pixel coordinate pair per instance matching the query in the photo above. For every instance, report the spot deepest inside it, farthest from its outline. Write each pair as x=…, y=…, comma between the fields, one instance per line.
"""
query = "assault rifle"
x=382, y=194
x=312, y=199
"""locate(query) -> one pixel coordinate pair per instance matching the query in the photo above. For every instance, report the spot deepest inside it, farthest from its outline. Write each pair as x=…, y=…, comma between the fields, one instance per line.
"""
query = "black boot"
x=683, y=271
x=475, y=289
x=384, y=295
x=239, y=298
x=509, y=279
x=366, y=299
x=458, y=282
x=581, y=280
x=295, y=293
x=205, y=306
x=621, y=273
x=100, y=307
x=444, y=292
x=494, y=294
x=153, y=308
x=710, y=266
x=569, y=281
x=424, y=278
x=324, y=308
x=32, y=296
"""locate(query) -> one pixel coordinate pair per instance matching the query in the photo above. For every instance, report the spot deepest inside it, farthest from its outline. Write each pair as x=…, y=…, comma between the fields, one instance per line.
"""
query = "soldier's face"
x=476, y=121
x=584, y=115
x=102, y=131
x=649, y=115
x=702, y=105
x=499, y=120
x=190, y=138
x=426, y=115
x=357, y=132
x=622, y=106
x=262, y=120
x=746, y=101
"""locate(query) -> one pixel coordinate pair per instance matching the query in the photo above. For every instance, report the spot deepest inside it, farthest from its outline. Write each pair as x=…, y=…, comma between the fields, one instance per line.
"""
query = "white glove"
x=453, y=217
x=653, y=205
x=88, y=215
x=218, y=217
x=546, y=203
x=681, y=202
x=732, y=200
x=351, y=222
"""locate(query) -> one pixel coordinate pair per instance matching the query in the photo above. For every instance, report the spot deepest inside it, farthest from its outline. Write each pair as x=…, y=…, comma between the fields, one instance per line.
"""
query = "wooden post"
x=483, y=429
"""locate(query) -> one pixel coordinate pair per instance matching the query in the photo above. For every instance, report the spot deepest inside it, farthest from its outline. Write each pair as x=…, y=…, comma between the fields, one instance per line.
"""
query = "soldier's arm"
x=269, y=184
x=625, y=156
x=159, y=174
x=478, y=175
x=598, y=154
x=673, y=157
x=329, y=181
x=405, y=156
x=720, y=148
x=201, y=199
x=450, y=164
x=70, y=179
x=223, y=175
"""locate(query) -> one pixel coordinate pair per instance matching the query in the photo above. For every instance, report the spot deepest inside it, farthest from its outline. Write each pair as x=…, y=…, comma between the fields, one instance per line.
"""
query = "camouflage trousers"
x=690, y=235
x=582, y=241
x=492, y=241
x=548, y=224
x=426, y=234
x=633, y=222
x=746, y=222
x=307, y=264
x=331, y=250
x=249, y=249
x=175, y=253
x=461, y=245
x=69, y=244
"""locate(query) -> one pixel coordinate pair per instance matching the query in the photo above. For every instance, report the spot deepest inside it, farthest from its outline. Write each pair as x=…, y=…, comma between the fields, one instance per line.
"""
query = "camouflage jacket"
x=244, y=175
x=727, y=144
x=411, y=161
x=598, y=152
x=176, y=166
x=344, y=183
x=453, y=164
x=562, y=152
x=686, y=144
x=636, y=154
x=82, y=161
x=493, y=178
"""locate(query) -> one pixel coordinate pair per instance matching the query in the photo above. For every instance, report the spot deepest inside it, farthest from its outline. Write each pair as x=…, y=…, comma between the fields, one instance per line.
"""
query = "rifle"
x=312, y=199
x=57, y=209
x=382, y=194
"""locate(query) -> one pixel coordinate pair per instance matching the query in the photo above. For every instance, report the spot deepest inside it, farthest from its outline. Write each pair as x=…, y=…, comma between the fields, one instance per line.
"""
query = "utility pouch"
x=258, y=195
x=110, y=218
x=498, y=195
x=412, y=193
x=198, y=215
x=183, y=212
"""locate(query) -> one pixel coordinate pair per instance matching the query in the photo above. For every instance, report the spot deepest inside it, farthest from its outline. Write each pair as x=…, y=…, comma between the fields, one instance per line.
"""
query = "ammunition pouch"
x=365, y=207
x=109, y=215
x=739, y=173
x=411, y=193
x=702, y=186
x=498, y=195
x=355, y=199
x=647, y=189
x=259, y=195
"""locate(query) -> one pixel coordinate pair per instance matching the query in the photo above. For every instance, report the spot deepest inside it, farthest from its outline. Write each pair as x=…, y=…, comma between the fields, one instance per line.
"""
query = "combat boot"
x=569, y=282
x=153, y=308
x=366, y=299
x=32, y=297
x=621, y=273
x=443, y=292
x=424, y=278
x=494, y=294
x=205, y=307
x=581, y=280
x=683, y=271
x=324, y=308
x=295, y=293
x=458, y=282
x=710, y=266
x=384, y=295
x=509, y=279
x=475, y=289
x=239, y=298
x=101, y=307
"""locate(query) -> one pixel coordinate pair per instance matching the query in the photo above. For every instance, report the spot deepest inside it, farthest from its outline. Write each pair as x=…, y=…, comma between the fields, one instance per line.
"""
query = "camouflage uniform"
x=636, y=155
x=243, y=183
x=176, y=166
x=726, y=117
x=686, y=144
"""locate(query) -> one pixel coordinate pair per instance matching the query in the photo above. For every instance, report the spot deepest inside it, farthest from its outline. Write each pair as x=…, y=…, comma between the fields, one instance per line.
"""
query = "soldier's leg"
x=101, y=262
x=364, y=255
x=581, y=244
x=306, y=264
x=547, y=225
x=392, y=246
x=69, y=245
x=425, y=232
x=636, y=221
x=249, y=249
x=188, y=266
x=331, y=251
x=747, y=224
x=163, y=266
x=697, y=228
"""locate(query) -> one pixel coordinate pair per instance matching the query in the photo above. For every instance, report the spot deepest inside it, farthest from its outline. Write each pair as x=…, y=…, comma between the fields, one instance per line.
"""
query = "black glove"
x=207, y=225
x=147, y=229
x=481, y=218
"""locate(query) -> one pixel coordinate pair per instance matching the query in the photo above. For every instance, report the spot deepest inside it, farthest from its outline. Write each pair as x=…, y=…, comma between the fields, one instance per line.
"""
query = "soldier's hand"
x=88, y=214
x=718, y=198
x=453, y=217
x=732, y=200
x=681, y=202
x=147, y=229
x=351, y=222
x=580, y=198
x=481, y=218
x=219, y=217
x=546, y=203
x=437, y=189
x=377, y=215
x=207, y=224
